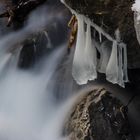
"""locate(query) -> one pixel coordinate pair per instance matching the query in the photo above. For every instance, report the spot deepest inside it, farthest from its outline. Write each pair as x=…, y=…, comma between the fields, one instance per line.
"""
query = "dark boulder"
x=98, y=116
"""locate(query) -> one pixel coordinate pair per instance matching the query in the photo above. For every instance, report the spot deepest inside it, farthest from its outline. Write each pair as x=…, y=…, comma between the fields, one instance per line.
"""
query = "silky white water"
x=28, y=109
x=28, y=105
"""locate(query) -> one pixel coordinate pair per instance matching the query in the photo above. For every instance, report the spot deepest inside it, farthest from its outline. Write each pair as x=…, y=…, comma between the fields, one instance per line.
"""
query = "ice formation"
x=113, y=60
x=105, y=51
x=79, y=64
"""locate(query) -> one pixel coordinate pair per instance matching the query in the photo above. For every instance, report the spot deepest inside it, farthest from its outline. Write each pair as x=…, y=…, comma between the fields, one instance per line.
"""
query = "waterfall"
x=28, y=109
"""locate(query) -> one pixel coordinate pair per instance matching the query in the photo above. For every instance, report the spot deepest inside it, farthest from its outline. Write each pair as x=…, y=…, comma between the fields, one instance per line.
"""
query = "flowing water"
x=29, y=109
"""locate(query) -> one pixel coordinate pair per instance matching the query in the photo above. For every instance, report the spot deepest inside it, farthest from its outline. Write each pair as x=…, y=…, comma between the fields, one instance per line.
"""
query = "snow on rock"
x=113, y=61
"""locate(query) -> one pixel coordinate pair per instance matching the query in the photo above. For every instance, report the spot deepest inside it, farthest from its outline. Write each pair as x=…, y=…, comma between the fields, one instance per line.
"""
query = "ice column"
x=120, y=64
x=116, y=71
x=90, y=55
x=125, y=63
x=85, y=59
x=105, y=52
x=79, y=62
x=112, y=68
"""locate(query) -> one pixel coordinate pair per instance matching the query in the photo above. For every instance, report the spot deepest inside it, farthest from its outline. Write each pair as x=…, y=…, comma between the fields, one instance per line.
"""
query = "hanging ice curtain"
x=113, y=63
x=84, y=63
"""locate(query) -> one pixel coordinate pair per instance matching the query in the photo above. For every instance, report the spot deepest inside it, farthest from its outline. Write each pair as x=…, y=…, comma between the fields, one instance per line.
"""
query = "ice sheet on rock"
x=112, y=68
x=90, y=55
x=105, y=52
x=79, y=63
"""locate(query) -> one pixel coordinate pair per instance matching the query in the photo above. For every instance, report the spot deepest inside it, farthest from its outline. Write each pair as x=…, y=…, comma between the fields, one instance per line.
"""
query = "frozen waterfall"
x=113, y=61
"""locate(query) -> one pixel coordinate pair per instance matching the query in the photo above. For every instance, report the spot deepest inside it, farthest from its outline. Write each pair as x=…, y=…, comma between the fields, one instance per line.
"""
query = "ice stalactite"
x=120, y=64
x=105, y=51
x=78, y=70
x=90, y=55
x=113, y=60
x=116, y=71
x=100, y=37
x=112, y=67
x=126, y=79
x=85, y=60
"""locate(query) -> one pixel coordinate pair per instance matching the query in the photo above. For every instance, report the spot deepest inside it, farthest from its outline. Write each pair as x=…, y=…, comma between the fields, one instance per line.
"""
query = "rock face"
x=112, y=14
x=98, y=116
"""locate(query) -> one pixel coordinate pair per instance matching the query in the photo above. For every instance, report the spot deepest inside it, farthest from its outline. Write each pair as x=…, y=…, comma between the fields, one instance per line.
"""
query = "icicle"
x=85, y=59
x=79, y=69
x=125, y=62
x=112, y=67
x=120, y=64
x=90, y=55
x=100, y=37
x=105, y=53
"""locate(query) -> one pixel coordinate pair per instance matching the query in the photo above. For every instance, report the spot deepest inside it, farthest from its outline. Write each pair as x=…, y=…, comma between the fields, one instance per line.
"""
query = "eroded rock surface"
x=98, y=116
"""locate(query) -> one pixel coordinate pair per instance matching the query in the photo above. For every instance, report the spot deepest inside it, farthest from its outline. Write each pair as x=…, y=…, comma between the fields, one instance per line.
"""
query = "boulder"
x=98, y=115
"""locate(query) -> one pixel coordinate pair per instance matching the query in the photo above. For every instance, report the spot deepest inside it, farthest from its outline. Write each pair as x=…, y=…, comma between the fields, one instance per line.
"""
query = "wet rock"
x=98, y=116
x=33, y=49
